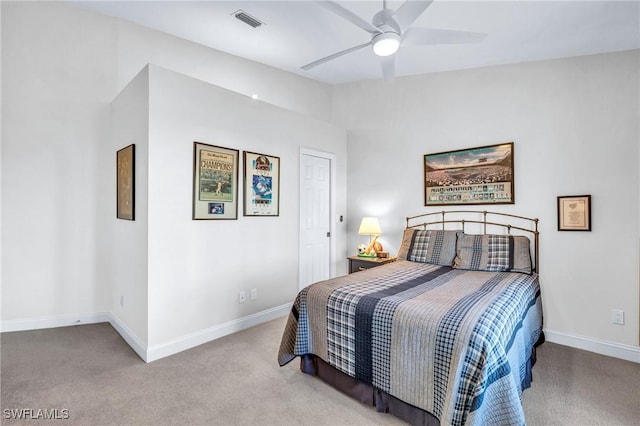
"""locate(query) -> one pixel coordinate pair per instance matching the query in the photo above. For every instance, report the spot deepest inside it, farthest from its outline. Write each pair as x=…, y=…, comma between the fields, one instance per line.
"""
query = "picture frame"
x=481, y=175
x=261, y=184
x=574, y=213
x=125, y=183
x=215, y=182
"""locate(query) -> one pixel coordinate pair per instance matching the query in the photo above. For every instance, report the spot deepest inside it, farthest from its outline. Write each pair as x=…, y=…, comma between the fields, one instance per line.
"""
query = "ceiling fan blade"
x=349, y=16
x=410, y=11
x=422, y=36
x=388, y=64
x=334, y=56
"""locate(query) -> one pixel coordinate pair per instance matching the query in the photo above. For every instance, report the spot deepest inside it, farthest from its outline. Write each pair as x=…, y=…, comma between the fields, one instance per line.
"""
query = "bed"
x=447, y=334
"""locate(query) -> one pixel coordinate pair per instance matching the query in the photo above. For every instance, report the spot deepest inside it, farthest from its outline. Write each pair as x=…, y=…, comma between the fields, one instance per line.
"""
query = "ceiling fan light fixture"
x=386, y=44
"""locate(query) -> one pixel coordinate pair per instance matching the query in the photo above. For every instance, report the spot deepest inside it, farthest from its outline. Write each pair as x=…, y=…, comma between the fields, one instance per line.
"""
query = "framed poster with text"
x=261, y=184
x=482, y=175
x=215, y=182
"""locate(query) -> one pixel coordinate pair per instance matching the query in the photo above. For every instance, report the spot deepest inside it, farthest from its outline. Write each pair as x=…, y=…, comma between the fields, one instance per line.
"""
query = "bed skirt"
x=382, y=401
x=366, y=393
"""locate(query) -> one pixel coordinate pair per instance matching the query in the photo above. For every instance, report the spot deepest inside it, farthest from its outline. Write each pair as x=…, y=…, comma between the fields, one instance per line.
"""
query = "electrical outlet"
x=122, y=301
x=617, y=316
x=242, y=297
x=254, y=293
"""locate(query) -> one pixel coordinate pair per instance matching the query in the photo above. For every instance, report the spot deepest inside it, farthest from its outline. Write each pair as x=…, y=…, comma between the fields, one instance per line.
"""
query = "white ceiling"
x=298, y=32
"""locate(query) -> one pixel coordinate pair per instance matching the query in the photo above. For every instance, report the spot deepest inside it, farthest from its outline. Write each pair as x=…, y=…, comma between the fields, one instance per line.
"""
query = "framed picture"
x=482, y=175
x=574, y=213
x=125, y=183
x=261, y=184
x=215, y=182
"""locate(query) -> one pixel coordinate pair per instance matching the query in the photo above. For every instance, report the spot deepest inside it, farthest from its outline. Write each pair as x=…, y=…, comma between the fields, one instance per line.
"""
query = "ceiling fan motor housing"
x=384, y=21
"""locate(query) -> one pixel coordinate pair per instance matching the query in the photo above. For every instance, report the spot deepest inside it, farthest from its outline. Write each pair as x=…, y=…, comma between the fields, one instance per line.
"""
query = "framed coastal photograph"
x=261, y=184
x=125, y=183
x=215, y=182
x=574, y=213
x=482, y=175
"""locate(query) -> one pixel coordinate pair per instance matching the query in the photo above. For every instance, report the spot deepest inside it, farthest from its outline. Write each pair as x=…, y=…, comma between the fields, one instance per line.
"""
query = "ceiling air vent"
x=247, y=19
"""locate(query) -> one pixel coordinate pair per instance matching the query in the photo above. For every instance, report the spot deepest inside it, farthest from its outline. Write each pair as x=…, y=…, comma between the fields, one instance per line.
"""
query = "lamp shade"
x=370, y=226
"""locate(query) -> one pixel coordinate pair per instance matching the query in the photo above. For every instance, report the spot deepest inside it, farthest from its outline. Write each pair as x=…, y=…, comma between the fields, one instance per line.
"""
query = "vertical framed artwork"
x=574, y=213
x=482, y=175
x=261, y=184
x=215, y=182
x=125, y=182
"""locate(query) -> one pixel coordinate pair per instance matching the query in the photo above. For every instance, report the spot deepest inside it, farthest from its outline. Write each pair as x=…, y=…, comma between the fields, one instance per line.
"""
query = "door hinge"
x=328, y=234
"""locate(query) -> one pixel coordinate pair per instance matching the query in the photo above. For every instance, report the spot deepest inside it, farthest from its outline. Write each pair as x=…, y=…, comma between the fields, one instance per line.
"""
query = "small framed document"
x=574, y=213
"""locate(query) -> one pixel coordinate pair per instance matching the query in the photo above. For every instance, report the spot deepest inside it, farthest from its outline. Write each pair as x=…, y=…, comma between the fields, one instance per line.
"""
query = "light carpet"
x=89, y=373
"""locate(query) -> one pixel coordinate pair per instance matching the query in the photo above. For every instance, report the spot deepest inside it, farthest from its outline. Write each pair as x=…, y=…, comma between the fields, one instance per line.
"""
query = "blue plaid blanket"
x=452, y=342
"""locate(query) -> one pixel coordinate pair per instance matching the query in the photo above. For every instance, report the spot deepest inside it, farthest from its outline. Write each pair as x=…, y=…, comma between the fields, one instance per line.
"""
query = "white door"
x=315, y=218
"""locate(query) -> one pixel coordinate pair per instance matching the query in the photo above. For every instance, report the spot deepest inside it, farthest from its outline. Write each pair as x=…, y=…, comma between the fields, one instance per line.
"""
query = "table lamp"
x=371, y=227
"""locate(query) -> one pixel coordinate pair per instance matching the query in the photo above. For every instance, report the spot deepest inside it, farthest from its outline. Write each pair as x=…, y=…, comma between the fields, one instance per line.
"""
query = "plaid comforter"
x=453, y=342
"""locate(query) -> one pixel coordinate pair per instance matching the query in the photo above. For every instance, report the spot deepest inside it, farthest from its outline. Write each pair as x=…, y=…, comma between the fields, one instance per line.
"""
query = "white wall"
x=0, y=161
x=56, y=89
x=179, y=278
x=123, y=244
x=197, y=268
x=139, y=46
x=571, y=121
x=575, y=126
x=62, y=67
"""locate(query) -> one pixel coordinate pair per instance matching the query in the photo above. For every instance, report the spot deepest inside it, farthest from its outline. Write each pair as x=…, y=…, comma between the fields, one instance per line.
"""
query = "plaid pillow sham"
x=493, y=253
x=429, y=246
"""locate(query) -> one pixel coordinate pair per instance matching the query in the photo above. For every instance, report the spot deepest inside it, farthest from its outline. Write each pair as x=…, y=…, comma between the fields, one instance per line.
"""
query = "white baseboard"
x=602, y=347
x=152, y=353
x=129, y=336
x=207, y=335
x=54, y=321
x=148, y=353
x=78, y=319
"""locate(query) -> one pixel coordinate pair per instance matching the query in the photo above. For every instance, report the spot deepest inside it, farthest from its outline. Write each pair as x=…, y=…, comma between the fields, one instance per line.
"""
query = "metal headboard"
x=444, y=217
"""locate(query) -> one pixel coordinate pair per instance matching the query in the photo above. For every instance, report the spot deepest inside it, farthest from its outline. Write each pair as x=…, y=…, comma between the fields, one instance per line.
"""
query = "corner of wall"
x=125, y=261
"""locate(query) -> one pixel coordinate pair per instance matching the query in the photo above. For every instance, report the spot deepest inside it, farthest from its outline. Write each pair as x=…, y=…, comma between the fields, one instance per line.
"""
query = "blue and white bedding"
x=453, y=342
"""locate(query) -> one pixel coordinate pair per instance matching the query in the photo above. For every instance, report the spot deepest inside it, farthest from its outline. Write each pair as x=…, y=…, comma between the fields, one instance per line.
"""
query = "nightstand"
x=357, y=263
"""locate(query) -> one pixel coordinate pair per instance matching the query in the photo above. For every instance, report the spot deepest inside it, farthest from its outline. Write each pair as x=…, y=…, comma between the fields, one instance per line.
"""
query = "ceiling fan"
x=391, y=29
